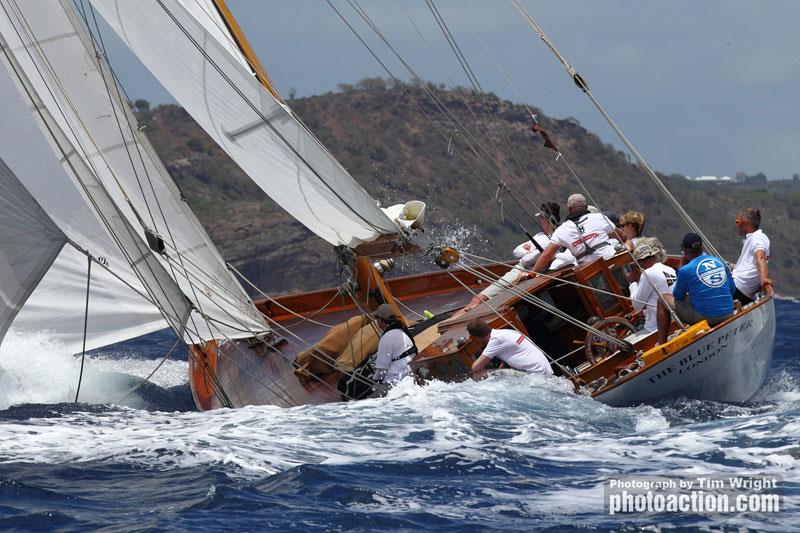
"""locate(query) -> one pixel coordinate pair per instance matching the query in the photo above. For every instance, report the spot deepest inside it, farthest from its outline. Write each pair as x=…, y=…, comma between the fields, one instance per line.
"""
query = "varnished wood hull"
x=728, y=363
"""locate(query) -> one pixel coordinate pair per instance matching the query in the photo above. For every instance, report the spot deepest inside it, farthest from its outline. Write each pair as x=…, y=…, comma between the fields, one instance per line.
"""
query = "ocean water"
x=512, y=453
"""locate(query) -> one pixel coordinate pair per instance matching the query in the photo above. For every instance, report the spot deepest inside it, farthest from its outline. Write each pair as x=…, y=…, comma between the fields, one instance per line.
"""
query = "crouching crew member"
x=508, y=345
x=703, y=289
x=396, y=347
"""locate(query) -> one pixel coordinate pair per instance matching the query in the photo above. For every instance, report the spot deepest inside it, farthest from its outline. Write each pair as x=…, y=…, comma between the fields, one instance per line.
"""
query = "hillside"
x=395, y=143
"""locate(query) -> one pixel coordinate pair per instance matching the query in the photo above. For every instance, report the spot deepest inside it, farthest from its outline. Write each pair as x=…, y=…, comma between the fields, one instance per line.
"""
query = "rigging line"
x=86, y=160
x=37, y=47
x=514, y=153
x=85, y=326
x=552, y=360
x=547, y=276
x=585, y=89
x=234, y=298
x=268, y=297
x=446, y=112
x=495, y=61
x=504, y=138
x=222, y=297
x=538, y=302
x=271, y=126
x=39, y=109
x=134, y=137
x=98, y=53
x=531, y=298
x=150, y=375
x=310, y=347
x=462, y=60
x=650, y=282
x=437, y=102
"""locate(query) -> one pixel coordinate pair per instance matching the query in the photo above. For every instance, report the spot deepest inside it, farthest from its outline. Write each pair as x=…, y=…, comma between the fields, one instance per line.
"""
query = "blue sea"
x=512, y=453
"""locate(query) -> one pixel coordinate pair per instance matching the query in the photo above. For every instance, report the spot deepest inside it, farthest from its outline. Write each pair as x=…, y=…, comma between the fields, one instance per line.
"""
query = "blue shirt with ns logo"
x=707, y=280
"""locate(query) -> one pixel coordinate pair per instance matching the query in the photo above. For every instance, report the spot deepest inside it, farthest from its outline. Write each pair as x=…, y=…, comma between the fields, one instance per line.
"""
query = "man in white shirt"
x=651, y=279
x=751, y=271
x=586, y=235
x=527, y=253
x=511, y=346
x=396, y=348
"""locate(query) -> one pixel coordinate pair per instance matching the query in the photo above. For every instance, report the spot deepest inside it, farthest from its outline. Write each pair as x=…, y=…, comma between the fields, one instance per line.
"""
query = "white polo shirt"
x=527, y=253
x=595, y=228
x=517, y=351
x=745, y=273
x=644, y=293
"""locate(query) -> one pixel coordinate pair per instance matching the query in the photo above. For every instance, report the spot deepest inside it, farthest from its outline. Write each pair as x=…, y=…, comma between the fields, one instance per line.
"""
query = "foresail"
x=54, y=171
x=56, y=308
x=61, y=61
x=57, y=303
x=29, y=243
x=261, y=135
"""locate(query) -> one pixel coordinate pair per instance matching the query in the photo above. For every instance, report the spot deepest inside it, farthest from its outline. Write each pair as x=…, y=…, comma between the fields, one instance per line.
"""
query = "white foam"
x=40, y=370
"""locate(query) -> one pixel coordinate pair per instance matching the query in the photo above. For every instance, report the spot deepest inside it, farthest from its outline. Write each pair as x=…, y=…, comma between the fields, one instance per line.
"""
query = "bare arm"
x=763, y=271
x=546, y=257
x=478, y=369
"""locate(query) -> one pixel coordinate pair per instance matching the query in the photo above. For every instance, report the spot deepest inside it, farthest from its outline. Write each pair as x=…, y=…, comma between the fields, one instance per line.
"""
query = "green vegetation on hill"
x=394, y=141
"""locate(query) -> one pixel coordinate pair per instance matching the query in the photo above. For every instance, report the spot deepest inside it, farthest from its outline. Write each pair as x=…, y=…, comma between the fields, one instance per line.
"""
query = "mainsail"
x=117, y=183
x=214, y=84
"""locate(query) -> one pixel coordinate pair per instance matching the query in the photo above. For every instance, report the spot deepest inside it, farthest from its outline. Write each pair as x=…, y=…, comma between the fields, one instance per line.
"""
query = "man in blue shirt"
x=703, y=289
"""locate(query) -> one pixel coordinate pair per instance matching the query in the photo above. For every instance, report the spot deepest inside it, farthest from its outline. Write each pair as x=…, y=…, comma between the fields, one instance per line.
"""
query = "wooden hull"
x=728, y=363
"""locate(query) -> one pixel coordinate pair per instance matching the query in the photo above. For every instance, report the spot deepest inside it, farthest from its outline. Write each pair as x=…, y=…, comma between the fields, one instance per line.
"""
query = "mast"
x=244, y=46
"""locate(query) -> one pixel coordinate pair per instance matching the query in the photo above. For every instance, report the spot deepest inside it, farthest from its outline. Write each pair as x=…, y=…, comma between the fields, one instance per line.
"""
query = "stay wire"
x=583, y=86
x=501, y=186
x=85, y=326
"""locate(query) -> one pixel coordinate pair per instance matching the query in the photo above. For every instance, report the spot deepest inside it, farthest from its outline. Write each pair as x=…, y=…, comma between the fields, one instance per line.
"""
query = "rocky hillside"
x=394, y=141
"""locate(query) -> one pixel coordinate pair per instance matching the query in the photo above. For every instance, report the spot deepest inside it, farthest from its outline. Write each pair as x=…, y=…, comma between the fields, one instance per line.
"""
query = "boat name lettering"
x=702, y=353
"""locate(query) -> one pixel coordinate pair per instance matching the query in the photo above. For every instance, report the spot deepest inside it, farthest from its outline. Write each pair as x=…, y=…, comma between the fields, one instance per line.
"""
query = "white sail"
x=259, y=133
x=42, y=158
x=60, y=60
x=29, y=243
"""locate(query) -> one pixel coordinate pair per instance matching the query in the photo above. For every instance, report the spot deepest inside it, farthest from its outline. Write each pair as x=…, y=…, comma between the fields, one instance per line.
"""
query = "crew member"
x=703, y=289
x=652, y=279
x=751, y=272
x=509, y=345
x=396, y=347
x=585, y=234
x=632, y=224
x=527, y=253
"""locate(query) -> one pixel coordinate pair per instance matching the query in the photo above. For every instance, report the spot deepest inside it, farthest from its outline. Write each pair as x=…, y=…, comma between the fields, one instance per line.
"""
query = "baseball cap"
x=644, y=251
x=692, y=241
x=385, y=312
x=575, y=199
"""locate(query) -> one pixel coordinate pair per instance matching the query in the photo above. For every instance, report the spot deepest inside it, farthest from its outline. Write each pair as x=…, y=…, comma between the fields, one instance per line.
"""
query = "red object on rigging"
x=548, y=143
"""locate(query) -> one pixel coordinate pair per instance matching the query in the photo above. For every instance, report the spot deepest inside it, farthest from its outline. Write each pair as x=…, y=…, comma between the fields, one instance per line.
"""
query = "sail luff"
x=241, y=41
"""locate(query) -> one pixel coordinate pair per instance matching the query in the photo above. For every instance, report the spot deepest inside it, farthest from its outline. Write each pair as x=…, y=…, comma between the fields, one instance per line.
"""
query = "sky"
x=701, y=87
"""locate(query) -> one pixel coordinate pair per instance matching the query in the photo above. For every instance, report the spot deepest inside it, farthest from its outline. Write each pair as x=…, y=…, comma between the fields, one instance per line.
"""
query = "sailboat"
x=99, y=245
